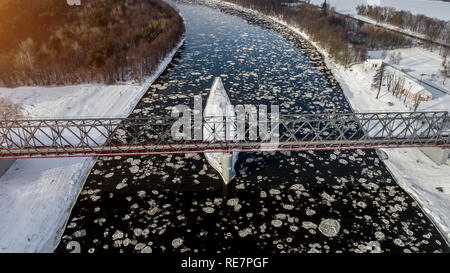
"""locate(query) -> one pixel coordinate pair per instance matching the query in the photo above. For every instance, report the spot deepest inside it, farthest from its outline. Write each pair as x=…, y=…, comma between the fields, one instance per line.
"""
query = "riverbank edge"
x=320, y=59
x=89, y=163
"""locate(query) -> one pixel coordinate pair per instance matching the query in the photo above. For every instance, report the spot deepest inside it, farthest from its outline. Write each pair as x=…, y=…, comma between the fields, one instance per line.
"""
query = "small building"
x=413, y=89
x=373, y=64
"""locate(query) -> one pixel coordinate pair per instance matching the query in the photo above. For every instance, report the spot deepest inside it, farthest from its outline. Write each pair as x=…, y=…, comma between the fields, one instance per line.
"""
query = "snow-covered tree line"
x=345, y=39
x=433, y=29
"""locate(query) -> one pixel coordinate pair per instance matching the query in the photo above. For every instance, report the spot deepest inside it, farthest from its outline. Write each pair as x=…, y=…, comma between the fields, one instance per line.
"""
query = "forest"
x=48, y=42
x=433, y=29
x=346, y=40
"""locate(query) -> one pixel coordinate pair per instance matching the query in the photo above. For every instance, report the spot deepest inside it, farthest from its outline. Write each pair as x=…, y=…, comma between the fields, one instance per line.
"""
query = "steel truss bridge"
x=43, y=138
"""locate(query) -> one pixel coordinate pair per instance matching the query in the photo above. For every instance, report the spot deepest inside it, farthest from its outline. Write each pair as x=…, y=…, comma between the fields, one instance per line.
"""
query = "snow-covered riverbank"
x=36, y=196
x=427, y=182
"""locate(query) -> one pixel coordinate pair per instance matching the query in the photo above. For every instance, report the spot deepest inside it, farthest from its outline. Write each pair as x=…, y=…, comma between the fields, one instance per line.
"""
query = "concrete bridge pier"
x=438, y=155
x=226, y=163
x=5, y=164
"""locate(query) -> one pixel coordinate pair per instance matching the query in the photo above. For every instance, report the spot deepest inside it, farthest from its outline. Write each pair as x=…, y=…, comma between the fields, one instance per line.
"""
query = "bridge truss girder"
x=42, y=138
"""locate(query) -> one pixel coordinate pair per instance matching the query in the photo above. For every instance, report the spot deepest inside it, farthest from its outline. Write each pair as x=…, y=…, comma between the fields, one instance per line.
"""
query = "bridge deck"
x=148, y=136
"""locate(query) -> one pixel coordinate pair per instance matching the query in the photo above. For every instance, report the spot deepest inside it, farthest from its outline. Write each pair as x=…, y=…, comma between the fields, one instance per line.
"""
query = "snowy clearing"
x=356, y=83
x=419, y=63
x=36, y=196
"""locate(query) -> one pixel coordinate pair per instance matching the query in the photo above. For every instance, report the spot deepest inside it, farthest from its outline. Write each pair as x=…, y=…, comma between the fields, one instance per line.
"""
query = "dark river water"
x=327, y=201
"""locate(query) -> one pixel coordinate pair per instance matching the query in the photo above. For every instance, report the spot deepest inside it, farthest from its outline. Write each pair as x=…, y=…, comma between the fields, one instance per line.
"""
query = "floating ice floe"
x=329, y=227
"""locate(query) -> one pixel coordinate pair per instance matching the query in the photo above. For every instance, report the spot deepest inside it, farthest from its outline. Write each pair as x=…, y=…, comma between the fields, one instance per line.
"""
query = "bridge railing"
x=33, y=138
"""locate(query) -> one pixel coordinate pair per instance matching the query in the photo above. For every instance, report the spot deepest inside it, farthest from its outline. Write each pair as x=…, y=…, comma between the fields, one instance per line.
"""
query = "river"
x=327, y=201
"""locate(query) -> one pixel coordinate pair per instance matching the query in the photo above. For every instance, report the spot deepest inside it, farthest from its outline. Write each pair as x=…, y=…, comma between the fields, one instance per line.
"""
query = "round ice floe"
x=399, y=242
x=309, y=225
x=245, y=232
x=310, y=212
x=95, y=198
x=277, y=223
x=137, y=232
x=134, y=169
x=274, y=191
x=147, y=249
x=80, y=233
x=139, y=246
x=117, y=235
x=177, y=242
x=329, y=227
x=141, y=194
x=281, y=216
x=233, y=202
x=379, y=235
x=343, y=161
x=373, y=247
x=327, y=197
x=121, y=185
x=361, y=204
x=208, y=210
x=297, y=187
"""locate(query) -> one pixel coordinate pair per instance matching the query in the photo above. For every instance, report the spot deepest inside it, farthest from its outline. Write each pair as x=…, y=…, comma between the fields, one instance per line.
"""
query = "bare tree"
x=24, y=58
x=445, y=70
x=399, y=58
x=399, y=87
x=389, y=79
x=392, y=58
x=378, y=79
